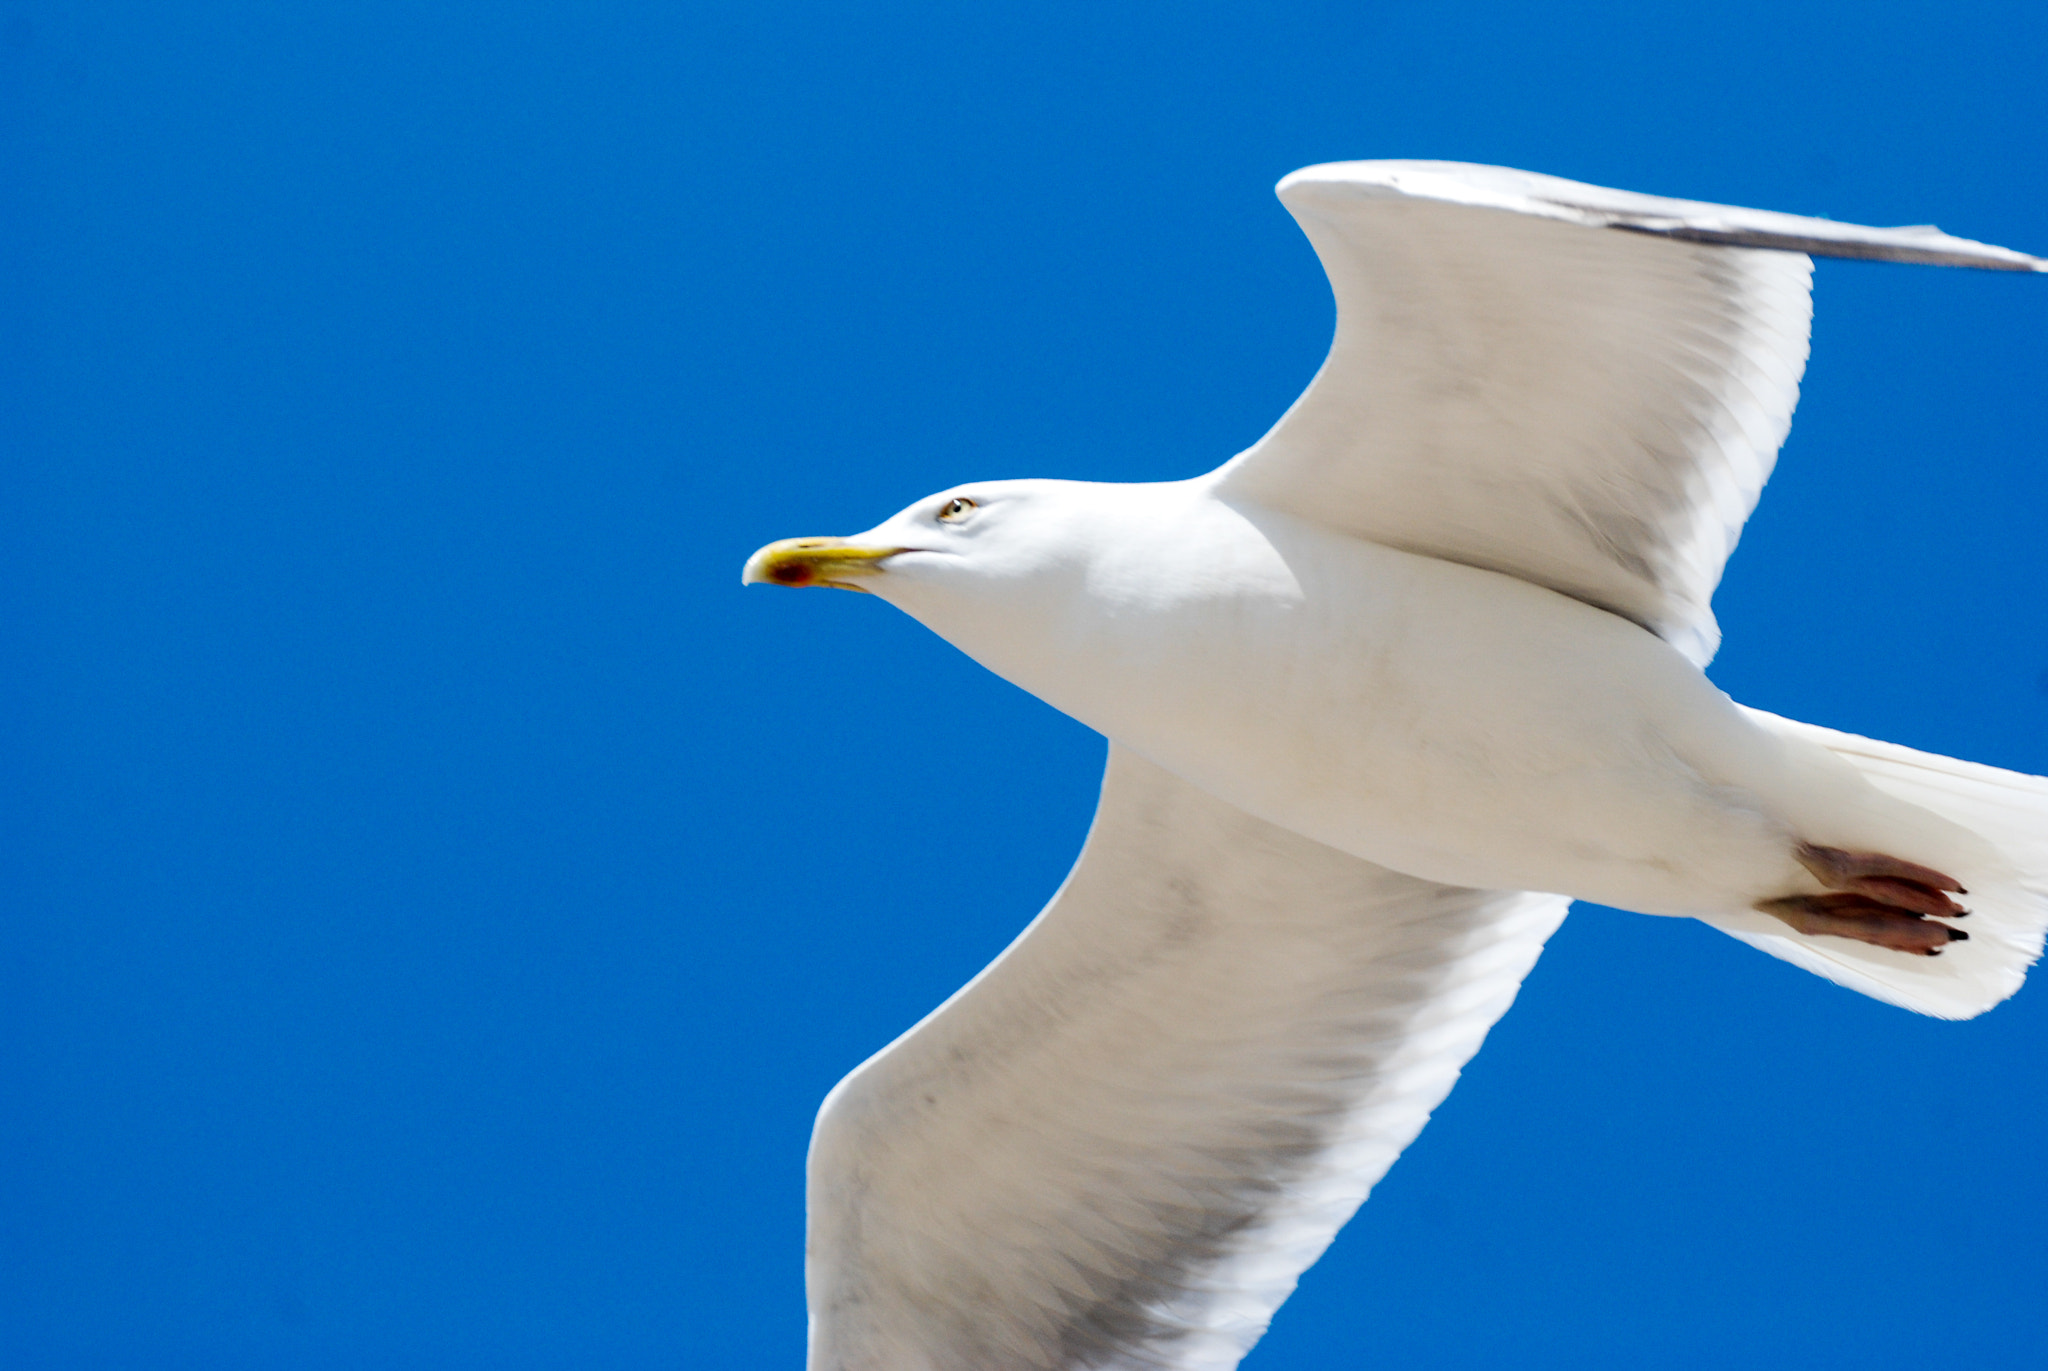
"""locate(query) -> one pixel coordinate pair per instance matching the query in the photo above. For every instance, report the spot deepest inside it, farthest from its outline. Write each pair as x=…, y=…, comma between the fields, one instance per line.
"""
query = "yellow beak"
x=803, y=562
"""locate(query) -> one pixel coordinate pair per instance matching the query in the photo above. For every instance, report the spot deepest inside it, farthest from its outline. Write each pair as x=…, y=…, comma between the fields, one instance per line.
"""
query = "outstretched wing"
x=1516, y=385
x=1120, y=1145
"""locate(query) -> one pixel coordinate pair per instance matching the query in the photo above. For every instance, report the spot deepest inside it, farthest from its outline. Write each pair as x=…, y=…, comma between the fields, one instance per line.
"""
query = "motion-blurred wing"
x=1121, y=1143
x=1517, y=386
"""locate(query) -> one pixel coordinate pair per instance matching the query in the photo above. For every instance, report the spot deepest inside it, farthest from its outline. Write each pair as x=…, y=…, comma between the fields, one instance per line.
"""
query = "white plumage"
x=1122, y=1142
x=1433, y=643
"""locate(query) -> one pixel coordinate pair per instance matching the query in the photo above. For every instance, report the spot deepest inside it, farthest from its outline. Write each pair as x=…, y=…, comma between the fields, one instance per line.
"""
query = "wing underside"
x=1516, y=385
x=1120, y=1145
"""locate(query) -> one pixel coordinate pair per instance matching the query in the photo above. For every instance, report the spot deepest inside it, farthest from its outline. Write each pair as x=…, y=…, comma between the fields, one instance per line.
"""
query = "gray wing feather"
x=1593, y=411
x=1575, y=202
x=1120, y=1145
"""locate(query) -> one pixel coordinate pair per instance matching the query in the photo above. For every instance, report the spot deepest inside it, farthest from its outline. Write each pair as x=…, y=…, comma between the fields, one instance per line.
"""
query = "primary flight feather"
x=1383, y=694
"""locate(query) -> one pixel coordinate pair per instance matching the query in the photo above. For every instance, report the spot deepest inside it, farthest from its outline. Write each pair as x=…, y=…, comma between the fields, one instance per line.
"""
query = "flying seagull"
x=1383, y=694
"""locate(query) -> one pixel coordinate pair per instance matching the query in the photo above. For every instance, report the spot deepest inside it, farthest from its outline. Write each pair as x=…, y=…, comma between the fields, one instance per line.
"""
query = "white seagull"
x=1384, y=694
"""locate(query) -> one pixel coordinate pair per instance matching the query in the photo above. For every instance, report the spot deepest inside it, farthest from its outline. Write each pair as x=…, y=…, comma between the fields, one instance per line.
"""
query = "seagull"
x=1384, y=694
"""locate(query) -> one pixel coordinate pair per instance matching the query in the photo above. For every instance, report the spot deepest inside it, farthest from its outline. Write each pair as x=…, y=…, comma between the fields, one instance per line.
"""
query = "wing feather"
x=1120, y=1145
x=1516, y=387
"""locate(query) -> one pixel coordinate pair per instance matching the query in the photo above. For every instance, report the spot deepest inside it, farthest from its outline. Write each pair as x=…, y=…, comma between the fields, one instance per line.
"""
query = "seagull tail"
x=2008, y=895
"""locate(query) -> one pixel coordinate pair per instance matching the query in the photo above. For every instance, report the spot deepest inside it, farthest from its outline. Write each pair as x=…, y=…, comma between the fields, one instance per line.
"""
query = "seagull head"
x=1044, y=582
x=972, y=540
x=1013, y=573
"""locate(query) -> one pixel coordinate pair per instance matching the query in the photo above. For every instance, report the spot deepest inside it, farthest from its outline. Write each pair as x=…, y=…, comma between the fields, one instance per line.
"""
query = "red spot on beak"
x=790, y=573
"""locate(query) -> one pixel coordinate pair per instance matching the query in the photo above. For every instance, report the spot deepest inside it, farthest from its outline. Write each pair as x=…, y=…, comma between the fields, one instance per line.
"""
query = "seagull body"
x=1449, y=722
x=1383, y=694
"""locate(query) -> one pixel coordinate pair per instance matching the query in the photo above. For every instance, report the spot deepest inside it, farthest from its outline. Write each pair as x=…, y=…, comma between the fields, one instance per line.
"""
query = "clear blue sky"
x=437, y=896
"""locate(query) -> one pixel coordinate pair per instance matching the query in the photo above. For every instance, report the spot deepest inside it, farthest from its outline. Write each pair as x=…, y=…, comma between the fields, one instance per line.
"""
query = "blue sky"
x=437, y=896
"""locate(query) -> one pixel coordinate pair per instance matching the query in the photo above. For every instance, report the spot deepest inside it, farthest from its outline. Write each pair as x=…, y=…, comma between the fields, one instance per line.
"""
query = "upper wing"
x=1120, y=1144
x=1514, y=386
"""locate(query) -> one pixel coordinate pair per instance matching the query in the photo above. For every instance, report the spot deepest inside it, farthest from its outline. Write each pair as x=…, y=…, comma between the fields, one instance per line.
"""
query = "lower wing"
x=1121, y=1144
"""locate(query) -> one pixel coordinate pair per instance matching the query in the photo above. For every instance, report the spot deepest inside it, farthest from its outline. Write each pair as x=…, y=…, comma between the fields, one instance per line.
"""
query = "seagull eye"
x=956, y=509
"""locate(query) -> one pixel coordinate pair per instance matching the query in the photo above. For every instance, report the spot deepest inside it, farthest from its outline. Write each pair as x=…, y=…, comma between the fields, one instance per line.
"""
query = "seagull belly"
x=1453, y=723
